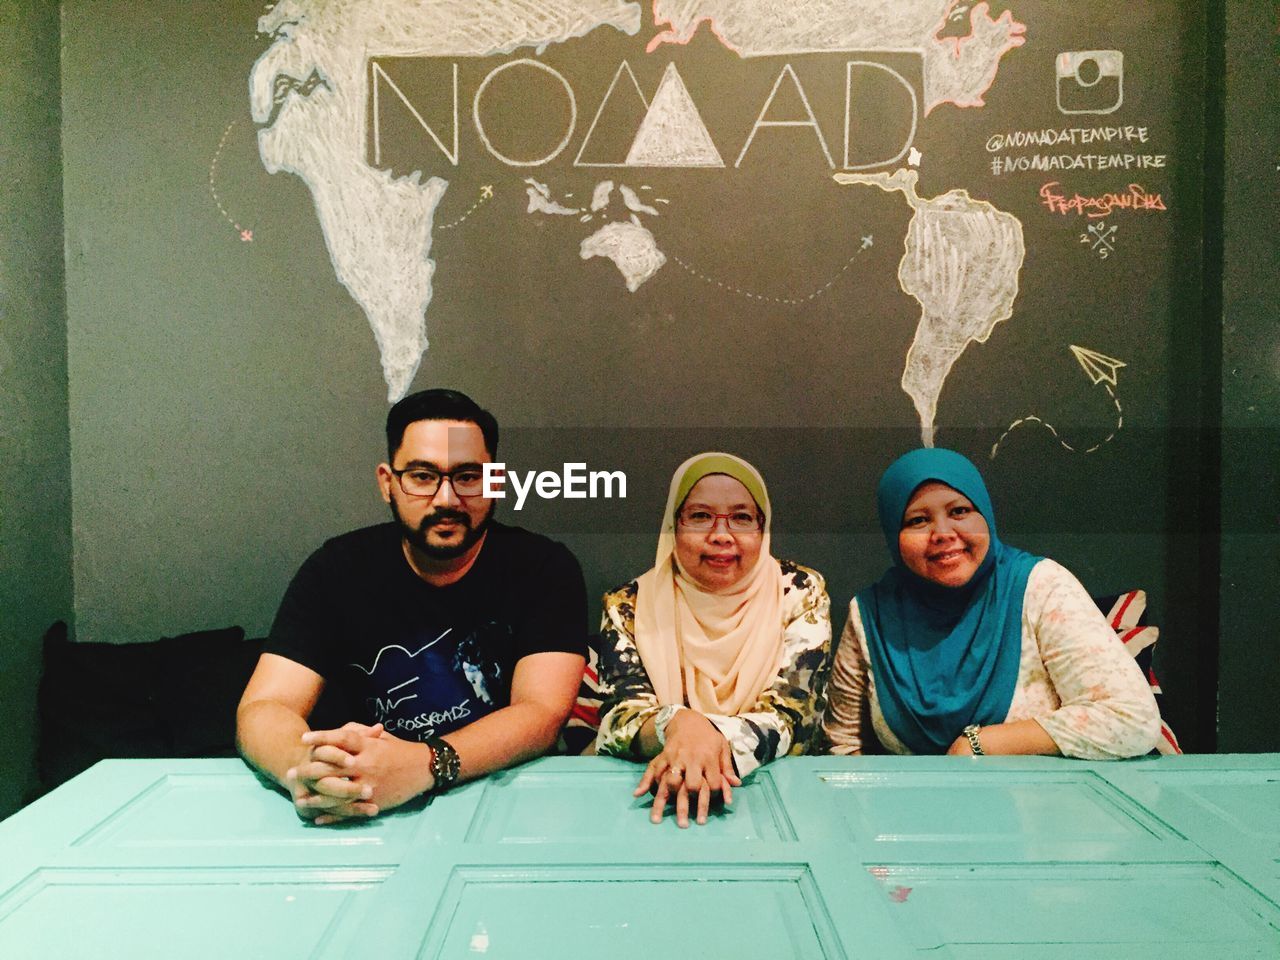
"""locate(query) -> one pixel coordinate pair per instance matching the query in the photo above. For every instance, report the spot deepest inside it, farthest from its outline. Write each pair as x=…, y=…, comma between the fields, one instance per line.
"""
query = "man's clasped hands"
x=356, y=771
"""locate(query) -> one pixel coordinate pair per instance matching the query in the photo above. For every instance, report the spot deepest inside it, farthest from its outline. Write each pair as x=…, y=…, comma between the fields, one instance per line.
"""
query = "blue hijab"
x=943, y=657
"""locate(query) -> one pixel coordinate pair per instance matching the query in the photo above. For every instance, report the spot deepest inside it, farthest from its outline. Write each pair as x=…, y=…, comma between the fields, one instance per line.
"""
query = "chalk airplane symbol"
x=486, y=191
x=1100, y=369
x=866, y=241
x=1097, y=366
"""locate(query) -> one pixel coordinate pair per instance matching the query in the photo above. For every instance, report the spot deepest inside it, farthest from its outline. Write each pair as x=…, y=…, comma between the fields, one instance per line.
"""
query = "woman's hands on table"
x=695, y=762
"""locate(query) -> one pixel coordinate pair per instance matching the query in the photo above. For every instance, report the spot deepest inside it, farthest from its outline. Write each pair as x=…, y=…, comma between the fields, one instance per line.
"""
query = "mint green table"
x=994, y=858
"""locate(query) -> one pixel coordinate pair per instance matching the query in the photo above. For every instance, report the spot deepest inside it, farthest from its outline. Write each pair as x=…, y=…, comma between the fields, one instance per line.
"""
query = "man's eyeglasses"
x=700, y=520
x=424, y=482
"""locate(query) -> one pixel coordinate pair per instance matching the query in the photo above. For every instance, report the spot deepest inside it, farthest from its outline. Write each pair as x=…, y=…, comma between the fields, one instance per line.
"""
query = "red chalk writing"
x=1101, y=205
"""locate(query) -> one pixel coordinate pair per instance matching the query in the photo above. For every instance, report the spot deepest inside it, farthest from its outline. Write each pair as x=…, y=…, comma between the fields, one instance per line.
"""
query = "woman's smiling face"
x=943, y=538
x=717, y=558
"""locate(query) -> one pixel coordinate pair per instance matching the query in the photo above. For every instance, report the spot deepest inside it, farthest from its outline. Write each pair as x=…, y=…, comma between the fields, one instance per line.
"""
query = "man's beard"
x=417, y=536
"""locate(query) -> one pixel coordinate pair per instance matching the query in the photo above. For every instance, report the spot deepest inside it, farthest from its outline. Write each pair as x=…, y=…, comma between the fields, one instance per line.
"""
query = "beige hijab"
x=715, y=652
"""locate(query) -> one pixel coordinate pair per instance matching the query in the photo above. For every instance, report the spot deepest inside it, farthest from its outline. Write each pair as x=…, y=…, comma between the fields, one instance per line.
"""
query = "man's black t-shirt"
x=424, y=660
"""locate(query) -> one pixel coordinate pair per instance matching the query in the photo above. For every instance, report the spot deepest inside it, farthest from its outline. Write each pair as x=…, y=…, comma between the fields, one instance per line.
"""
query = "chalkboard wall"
x=257, y=224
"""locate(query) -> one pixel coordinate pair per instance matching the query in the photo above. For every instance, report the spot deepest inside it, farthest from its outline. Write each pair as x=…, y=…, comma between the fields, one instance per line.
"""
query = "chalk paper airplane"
x=1097, y=366
x=672, y=133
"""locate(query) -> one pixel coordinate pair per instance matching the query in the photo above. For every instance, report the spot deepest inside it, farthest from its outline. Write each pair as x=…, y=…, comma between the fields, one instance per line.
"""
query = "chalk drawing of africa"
x=308, y=92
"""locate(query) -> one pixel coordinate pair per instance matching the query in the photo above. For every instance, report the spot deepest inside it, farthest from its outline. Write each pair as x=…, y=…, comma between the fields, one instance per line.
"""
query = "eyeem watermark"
x=573, y=482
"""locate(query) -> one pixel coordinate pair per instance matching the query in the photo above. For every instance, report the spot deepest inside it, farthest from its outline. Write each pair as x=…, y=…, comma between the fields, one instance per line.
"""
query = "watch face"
x=445, y=764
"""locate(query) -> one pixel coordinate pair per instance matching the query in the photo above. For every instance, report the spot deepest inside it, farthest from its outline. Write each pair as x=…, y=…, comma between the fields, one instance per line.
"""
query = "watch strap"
x=445, y=764
x=971, y=734
x=664, y=715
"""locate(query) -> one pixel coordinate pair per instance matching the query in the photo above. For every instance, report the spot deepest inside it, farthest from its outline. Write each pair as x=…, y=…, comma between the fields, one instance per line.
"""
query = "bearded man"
x=456, y=643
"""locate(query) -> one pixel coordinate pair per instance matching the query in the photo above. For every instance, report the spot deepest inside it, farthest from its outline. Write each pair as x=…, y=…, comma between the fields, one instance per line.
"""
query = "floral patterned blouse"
x=1075, y=679
x=782, y=721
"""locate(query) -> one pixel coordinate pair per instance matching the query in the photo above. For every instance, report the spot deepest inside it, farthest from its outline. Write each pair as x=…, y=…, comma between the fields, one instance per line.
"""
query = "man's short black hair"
x=439, y=405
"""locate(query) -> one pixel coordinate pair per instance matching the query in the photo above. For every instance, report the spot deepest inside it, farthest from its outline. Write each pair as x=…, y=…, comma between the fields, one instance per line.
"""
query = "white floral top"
x=783, y=720
x=1075, y=679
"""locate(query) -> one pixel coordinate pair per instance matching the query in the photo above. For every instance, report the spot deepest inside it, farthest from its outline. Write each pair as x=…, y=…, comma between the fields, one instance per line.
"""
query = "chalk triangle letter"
x=621, y=117
x=804, y=100
x=673, y=134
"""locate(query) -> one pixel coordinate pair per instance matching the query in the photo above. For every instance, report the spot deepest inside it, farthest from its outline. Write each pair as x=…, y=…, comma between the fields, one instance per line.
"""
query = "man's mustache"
x=444, y=515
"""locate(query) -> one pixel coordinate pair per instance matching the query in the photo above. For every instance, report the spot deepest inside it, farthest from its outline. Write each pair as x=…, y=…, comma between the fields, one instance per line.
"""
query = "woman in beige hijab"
x=712, y=662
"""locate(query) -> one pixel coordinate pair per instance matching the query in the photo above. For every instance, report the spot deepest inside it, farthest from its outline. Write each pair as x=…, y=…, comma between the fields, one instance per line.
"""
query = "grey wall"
x=201, y=376
x=35, y=492
x=1250, y=613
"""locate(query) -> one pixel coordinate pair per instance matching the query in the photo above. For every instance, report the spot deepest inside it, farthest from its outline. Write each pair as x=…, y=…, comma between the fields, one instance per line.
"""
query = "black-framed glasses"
x=466, y=481
x=700, y=520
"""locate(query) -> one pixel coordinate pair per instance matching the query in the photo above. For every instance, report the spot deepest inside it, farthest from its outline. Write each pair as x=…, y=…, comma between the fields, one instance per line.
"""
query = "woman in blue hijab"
x=969, y=646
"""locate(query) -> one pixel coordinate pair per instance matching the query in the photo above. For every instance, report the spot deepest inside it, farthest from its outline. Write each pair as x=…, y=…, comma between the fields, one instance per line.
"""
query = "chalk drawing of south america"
x=958, y=66
x=962, y=264
x=308, y=93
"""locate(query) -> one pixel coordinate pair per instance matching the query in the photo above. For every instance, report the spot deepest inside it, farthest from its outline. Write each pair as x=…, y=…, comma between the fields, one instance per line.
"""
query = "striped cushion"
x=580, y=730
x=1127, y=614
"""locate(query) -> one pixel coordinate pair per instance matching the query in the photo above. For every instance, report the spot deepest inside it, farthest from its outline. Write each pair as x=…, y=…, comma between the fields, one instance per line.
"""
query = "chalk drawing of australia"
x=961, y=45
x=962, y=264
x=308, y=94
x=628, y=243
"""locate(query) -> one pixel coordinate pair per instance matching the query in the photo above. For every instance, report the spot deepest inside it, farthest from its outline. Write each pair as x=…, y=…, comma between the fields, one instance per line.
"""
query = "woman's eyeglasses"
x=739, y=521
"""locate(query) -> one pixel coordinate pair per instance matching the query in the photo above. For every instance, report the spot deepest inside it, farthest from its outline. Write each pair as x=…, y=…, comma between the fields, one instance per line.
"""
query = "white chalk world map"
x=309, y=93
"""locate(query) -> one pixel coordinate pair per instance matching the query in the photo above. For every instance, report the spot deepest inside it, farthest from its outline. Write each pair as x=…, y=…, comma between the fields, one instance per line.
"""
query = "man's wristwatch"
x=445, y=765
x=663, y=718
x=971, y=734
